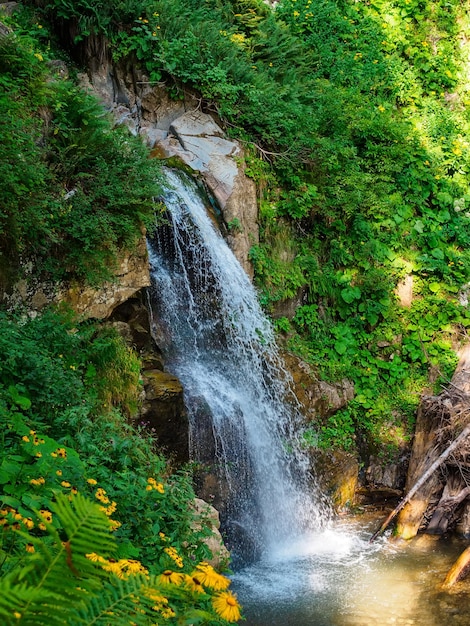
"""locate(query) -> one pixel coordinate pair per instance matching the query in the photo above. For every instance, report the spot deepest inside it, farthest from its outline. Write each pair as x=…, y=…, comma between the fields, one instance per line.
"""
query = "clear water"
x=337, y=578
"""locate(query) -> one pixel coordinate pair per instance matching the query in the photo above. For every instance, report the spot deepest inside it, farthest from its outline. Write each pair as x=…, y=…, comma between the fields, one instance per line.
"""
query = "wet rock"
x=337, y=473
x=200, y=143
x=163, y=412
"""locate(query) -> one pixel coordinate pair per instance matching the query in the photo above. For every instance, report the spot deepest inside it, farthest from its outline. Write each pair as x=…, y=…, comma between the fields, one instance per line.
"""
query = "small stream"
x=337, y=578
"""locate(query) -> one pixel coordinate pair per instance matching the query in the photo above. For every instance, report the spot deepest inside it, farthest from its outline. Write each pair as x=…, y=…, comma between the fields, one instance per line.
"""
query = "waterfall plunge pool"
x=337, y=578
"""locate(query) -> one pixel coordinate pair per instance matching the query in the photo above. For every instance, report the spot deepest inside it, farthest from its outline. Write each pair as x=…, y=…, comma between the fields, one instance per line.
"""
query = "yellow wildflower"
x=65, y=483
x=29, y=548
x=194, y=583
x=210, y=578
x=96, y=558
x=25, y=438
x=225, y=604
x=46, y=515
x=101, y=496
x=168, y=577
x=37, y=481
x=114, y=525
x=91, y=481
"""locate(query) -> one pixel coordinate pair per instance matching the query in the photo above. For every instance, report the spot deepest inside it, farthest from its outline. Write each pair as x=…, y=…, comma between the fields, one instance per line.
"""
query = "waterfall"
x=207, y=320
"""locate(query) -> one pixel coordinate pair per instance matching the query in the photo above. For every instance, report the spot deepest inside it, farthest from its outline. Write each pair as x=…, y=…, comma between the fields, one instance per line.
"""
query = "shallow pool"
x=337, y=578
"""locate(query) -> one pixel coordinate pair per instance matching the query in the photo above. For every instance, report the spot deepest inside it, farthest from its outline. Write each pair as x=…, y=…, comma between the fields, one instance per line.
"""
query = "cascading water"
x=216, y=339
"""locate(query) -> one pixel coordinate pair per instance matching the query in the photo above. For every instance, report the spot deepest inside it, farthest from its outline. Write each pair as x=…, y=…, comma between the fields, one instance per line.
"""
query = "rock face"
x=337, y=472
x=199, y=142
x=179, y=129
x=162, y=411
x=131, y=275
x=318, y=398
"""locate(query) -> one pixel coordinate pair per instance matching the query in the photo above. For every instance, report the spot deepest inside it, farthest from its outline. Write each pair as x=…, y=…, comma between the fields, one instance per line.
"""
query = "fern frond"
x=121, y=602
x=58, y=581
x=86, y=527
x=14, y=597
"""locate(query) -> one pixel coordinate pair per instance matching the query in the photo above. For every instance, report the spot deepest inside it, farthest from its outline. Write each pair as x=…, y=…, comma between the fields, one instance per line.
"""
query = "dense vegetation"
x=355, y=121
x=73, y=189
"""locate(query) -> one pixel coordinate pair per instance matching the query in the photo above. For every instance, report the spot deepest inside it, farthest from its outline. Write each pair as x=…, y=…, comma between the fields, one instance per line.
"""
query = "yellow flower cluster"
x=46, y=515
x=11, y=518
x=224, y=602
x=100, y=494
x=114, y=525
x=37, y=481
x=238, y=39
x=35, y=439
x=173, y=554
x=110, y=509
x=152, y=484
x=122, y=568
x=210, y=578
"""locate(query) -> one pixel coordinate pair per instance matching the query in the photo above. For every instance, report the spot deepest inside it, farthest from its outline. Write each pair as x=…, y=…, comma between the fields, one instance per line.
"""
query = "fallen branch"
x=429, y=472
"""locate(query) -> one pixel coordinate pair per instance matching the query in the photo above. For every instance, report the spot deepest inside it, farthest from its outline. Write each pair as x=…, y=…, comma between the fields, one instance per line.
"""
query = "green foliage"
x=74, y=191
x=355, y=120
x=73, y=384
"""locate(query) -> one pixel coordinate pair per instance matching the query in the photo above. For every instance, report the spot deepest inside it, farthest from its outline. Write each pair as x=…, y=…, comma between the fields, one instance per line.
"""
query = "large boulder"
x=207, y=518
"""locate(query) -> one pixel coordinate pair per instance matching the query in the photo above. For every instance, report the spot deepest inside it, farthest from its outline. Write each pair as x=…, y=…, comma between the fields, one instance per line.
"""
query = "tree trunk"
x=441, y=420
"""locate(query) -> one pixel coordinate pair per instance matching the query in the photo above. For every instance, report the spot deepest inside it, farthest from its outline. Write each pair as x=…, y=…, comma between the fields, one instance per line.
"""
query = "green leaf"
x=437, y=253
x=349, y=294
x=341, y=346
